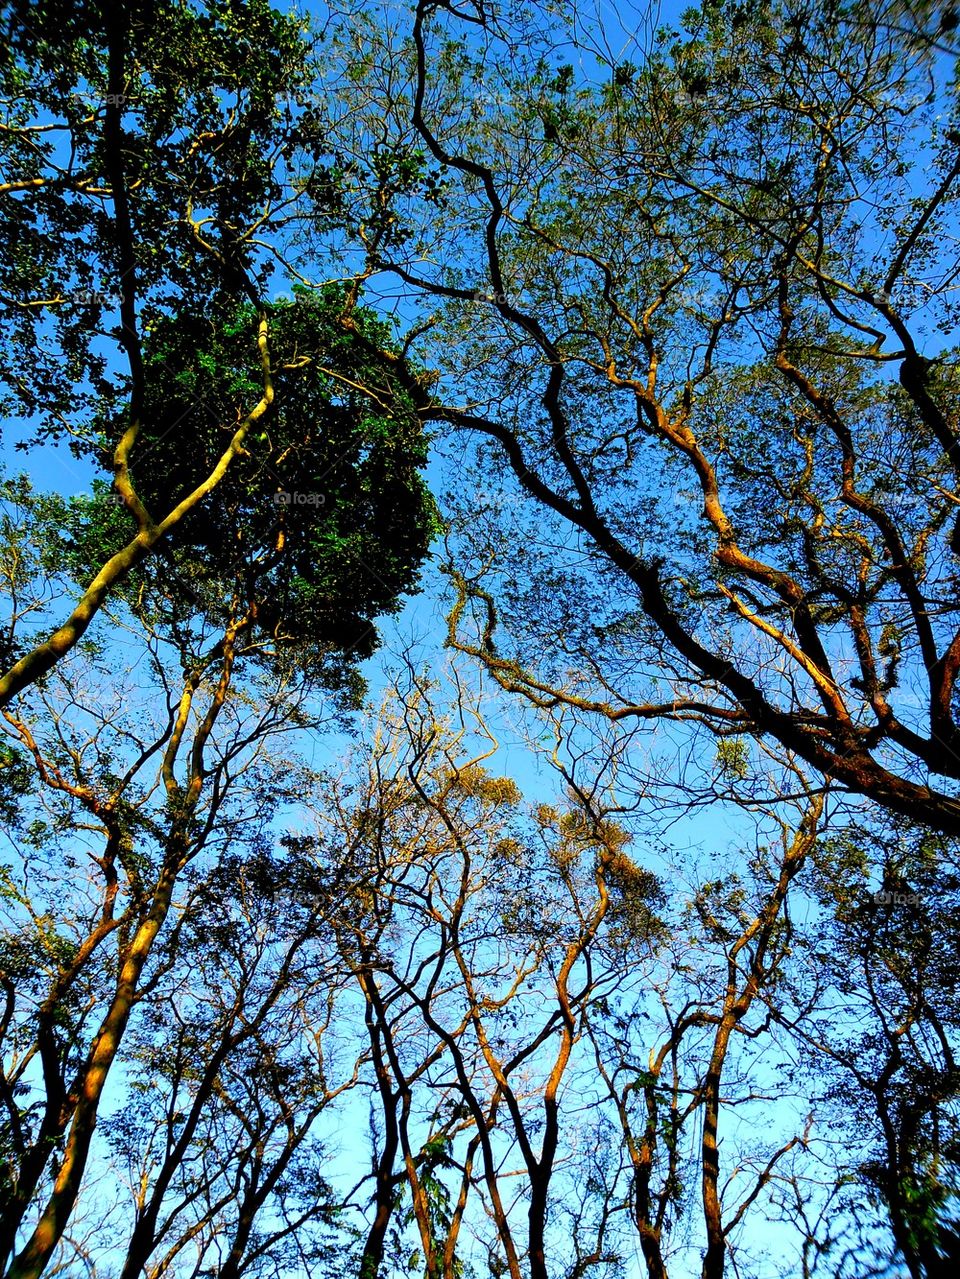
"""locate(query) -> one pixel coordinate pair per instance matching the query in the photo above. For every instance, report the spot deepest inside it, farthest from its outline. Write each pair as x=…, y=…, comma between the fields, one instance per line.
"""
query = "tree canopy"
x=323, y=520
x=703, y=309
x=479, y=734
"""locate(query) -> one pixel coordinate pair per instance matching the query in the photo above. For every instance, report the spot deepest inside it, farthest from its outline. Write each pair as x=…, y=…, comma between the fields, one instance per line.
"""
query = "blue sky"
x=419, y=628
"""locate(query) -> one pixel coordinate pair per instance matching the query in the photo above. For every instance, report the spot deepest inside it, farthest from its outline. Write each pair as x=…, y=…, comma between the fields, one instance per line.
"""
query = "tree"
x=888, y=1068
x=143, y=774
x=691, y=293
x=233, y=1063
x=700, y=303
x=324, y=517
x=474, y=930
x=153, y=153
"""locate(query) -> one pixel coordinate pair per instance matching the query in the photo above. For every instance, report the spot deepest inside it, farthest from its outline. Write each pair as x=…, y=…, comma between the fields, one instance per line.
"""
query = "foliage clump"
x=324, y=519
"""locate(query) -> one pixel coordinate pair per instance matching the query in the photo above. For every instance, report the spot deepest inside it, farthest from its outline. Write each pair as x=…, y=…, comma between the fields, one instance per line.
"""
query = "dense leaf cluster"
x=324, y=520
